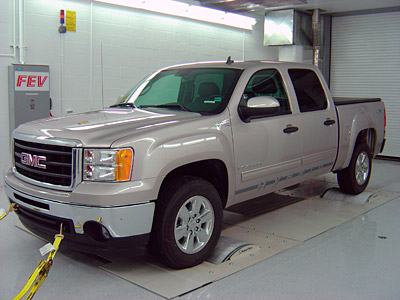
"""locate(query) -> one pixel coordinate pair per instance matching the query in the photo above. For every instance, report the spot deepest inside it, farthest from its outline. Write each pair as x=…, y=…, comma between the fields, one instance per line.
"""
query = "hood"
x=102, y=128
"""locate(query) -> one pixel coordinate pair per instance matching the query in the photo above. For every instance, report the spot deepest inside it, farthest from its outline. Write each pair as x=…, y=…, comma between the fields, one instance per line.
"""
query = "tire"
x=187, y=222
x=354, y=179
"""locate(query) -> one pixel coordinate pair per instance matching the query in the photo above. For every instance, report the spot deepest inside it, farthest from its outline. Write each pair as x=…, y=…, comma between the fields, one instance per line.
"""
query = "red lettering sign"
x=31, y=81
x=21, y=79
x=40, y=82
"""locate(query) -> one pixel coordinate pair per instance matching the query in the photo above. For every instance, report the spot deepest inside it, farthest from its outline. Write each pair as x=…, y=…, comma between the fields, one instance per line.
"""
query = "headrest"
x=264, y=86
x=207, y=89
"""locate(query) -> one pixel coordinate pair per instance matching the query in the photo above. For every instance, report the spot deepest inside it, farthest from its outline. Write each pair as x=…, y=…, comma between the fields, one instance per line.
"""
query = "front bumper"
x=128, y=227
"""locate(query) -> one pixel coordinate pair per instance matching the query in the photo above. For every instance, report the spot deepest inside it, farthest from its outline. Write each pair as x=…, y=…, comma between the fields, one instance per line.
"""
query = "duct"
x=316, y=31
x=287, y=27
x=248, y=5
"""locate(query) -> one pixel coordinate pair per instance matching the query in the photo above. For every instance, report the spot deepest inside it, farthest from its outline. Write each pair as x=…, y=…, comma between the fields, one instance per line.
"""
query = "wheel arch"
x=367, y=135
x=211, y=170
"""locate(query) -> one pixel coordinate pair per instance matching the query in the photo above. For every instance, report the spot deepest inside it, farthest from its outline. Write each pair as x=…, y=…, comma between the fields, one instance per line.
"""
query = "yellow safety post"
x=13, y=207
x=39, y=275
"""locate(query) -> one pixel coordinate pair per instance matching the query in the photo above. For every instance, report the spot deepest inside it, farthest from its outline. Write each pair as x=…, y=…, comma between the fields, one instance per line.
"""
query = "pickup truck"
x=156, y=170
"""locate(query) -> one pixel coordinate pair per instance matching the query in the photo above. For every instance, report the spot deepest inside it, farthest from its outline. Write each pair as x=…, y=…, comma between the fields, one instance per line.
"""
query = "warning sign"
x=71, y=20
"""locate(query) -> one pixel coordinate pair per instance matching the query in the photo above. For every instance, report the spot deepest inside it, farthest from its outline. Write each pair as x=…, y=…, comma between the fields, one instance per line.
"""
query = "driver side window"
x=268, y=83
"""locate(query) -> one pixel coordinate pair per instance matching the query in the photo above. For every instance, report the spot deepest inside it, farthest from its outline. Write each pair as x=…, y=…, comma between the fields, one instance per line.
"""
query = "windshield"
x=202, y=90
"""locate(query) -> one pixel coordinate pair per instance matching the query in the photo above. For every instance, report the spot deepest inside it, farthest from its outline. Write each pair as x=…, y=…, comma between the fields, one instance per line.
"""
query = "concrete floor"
x=357, y=260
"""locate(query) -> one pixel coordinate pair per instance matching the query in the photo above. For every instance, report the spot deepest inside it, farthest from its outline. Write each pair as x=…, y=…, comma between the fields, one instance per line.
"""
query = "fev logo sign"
x=33, y=160
x=31, y=81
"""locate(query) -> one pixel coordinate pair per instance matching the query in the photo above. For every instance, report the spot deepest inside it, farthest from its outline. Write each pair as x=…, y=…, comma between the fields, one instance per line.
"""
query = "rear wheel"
x=187, y=222
x=354, y=179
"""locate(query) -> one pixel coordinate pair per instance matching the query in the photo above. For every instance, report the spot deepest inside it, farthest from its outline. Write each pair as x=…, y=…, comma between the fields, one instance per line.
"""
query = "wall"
x=366, y=62
x=111, y=50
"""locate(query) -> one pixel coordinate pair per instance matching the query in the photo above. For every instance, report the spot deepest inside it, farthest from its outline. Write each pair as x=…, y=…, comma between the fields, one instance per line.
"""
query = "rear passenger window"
x=309, y=92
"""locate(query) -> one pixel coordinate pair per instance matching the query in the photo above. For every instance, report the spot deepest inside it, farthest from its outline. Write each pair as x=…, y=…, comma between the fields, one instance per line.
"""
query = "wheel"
x=187, y=222
x=354, y=179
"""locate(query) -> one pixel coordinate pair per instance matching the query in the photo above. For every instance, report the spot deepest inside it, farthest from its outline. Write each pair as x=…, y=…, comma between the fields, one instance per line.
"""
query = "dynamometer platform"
x=253, y=232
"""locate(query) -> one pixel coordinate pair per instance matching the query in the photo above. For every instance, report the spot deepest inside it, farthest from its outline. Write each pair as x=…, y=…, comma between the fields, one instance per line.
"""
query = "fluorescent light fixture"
x=184, y=10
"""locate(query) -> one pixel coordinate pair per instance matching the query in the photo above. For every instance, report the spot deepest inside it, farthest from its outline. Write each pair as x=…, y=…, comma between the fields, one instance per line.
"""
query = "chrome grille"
x=56, y=168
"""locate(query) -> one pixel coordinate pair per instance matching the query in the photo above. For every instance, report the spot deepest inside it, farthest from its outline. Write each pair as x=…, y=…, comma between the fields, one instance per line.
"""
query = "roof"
x=235, y=65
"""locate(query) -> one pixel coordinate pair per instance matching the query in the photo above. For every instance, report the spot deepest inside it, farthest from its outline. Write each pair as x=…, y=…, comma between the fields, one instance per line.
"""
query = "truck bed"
x=348, y=100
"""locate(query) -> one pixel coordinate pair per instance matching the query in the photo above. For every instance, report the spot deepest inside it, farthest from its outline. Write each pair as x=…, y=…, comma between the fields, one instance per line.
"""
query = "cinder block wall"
x=112, y=49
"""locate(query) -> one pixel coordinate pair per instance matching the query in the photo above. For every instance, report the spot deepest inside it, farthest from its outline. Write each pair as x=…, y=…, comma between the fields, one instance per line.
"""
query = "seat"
x=207, y=90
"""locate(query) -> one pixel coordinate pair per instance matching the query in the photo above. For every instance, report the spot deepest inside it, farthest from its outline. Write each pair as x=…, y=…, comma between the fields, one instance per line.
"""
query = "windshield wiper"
x=167, y=105
x=126, y=104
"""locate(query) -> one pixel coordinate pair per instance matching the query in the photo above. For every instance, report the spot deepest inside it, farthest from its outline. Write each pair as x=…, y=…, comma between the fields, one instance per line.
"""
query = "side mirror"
x=258, y=107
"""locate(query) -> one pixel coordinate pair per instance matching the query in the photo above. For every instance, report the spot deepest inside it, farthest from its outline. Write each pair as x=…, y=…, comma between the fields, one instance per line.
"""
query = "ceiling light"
x=195, y=12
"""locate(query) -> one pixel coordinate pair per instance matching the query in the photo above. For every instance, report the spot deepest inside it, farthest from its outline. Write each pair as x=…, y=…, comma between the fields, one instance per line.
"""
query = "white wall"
x=112, y=49
x=366, y=62
x=6, y=39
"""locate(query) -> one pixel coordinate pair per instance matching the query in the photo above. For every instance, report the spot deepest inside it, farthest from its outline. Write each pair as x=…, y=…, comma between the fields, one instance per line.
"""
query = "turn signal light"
x=123, y=160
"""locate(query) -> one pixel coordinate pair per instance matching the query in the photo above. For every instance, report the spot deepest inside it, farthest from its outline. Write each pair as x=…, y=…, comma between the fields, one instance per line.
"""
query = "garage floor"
x=356, y=260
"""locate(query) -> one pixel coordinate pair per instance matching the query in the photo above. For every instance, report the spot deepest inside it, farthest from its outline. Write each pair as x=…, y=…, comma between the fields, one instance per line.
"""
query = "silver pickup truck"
x=156, y=170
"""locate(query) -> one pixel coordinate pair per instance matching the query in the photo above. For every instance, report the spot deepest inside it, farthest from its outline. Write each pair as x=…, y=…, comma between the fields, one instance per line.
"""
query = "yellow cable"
x=13, y=207
x=39, y=280
x=39, y=275
x=35, y=288
x=31, y=279
x=4, y=215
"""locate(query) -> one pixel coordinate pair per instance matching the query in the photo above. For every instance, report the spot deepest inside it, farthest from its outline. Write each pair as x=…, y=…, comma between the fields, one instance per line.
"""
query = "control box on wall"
x=29, y=93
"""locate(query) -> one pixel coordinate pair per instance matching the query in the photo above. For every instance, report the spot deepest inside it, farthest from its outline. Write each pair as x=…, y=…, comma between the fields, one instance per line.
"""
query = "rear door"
x=318, y=121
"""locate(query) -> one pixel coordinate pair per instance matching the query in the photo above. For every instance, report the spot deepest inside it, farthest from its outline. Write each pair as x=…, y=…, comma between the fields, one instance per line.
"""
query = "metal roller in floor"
x=229, y=249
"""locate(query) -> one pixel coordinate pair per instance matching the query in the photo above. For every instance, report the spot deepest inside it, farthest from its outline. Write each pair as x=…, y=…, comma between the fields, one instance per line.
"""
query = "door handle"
x=290, y=129
x=329, y=122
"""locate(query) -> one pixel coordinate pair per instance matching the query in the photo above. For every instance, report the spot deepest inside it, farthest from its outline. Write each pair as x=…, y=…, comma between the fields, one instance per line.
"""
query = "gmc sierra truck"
x=157, y=169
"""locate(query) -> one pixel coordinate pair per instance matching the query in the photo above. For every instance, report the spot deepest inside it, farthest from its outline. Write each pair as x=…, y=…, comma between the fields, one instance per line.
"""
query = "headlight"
x=107, y=164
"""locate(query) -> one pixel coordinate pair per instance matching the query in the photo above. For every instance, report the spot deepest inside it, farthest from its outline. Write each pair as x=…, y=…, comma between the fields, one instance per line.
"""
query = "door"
x=267, y=149
x=318, y=121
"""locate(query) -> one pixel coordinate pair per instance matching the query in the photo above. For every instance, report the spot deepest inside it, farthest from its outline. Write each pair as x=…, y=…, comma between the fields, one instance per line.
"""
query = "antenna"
x=229, y=61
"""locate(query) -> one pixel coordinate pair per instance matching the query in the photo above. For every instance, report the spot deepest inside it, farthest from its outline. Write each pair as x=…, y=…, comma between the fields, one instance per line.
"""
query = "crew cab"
x=156, y=169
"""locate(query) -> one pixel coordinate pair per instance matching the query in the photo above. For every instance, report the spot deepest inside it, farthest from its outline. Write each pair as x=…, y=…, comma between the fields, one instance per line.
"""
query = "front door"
x=268, y=149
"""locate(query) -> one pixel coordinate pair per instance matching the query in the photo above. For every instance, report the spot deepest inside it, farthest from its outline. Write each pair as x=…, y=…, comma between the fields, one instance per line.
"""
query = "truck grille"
x=43, y=162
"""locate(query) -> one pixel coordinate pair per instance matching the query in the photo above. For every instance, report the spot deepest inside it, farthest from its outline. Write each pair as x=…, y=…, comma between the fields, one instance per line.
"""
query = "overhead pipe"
x=21, y=46
x=316, y=31
x=91, y=57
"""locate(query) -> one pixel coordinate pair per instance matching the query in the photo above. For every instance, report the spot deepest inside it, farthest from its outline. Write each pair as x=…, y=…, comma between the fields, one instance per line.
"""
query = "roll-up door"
x=365, y=62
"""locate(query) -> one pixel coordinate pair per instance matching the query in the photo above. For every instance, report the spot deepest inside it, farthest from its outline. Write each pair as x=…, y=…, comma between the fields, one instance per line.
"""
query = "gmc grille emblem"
x=33, y=160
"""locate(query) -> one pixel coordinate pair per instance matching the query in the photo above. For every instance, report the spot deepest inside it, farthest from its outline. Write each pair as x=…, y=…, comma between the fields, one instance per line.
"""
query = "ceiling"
x=327, y=6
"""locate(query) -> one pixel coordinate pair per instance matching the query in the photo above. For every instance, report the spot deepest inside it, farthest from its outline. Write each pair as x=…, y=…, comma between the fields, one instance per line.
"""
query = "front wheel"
x=187, y=222
x=354, y=179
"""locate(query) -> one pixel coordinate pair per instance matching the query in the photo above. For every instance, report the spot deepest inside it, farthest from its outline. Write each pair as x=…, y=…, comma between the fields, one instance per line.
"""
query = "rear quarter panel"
x=353, y=119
